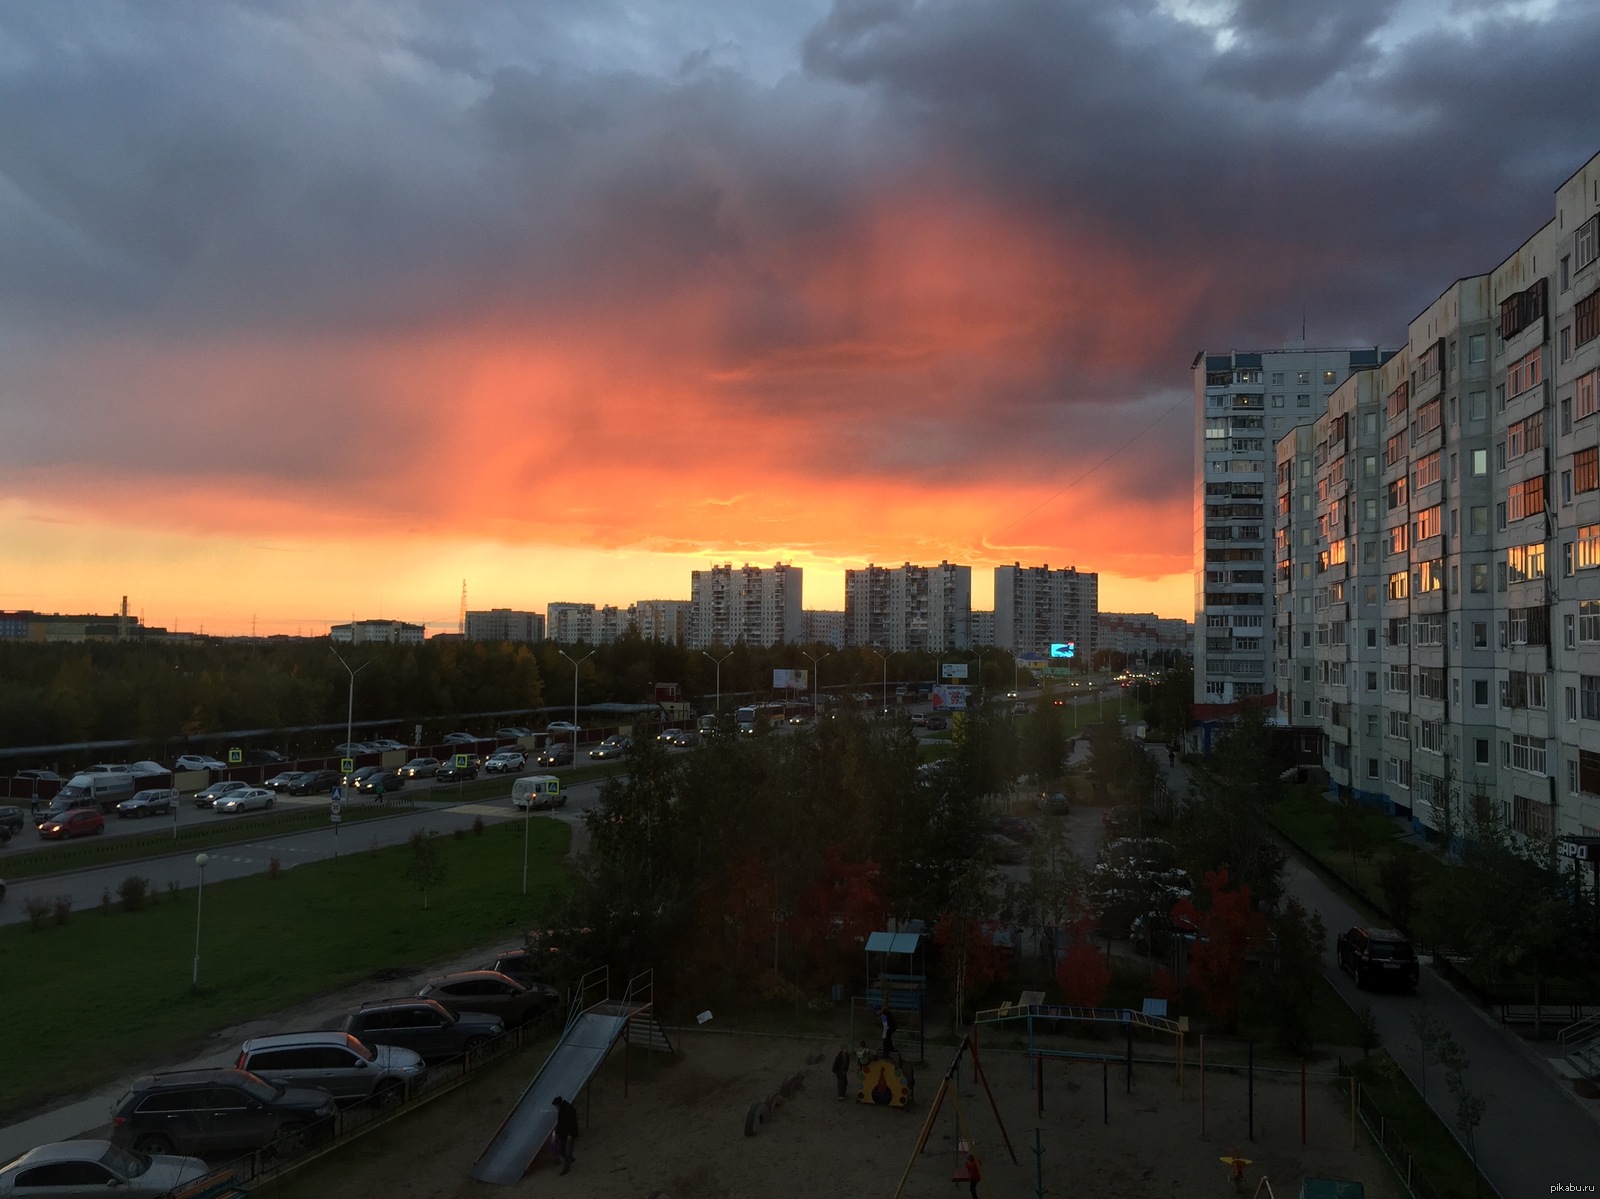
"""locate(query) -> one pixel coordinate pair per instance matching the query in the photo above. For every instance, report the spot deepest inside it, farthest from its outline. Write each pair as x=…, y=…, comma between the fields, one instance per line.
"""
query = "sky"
x=315, y=310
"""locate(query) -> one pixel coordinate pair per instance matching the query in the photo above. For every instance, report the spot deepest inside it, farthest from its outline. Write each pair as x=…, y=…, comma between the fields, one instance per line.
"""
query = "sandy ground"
x=680, y=1131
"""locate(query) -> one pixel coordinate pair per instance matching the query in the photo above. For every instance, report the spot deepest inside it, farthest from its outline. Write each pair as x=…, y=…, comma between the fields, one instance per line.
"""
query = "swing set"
x=965, y=1144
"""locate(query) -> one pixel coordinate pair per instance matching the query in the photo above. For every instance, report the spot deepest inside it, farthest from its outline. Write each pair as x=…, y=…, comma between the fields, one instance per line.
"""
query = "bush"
x=105, y=902
x=133, y=892
x=172, y=888
x=273, y=867
x=38, y=910
x=61, y=908
x=460, y=833
x=477, y=825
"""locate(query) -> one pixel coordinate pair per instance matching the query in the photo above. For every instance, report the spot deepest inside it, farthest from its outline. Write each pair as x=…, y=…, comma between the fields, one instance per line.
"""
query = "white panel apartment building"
x=1035, y=606
x=1442, y=620
x=504, y=624
x=379, y=632
x=910, y=607
x=754, y=604
x=661, y=620
x=1136, y=633
x=1244, y=403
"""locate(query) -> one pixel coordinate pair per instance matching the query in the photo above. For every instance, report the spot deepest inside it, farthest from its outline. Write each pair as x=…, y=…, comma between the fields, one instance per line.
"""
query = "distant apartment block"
x=824, y=628
x=1142, y=634
x=377, y=632
x=910, y=607
x=504, y=624
x=568, y=624
x=982, y=629
x=39, y=626
x=753, y=604
x=661, y=620
x=1244, y=403
x=1036, y=607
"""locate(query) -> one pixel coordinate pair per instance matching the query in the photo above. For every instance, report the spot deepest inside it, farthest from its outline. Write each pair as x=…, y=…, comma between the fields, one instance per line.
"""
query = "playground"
x=680, y=1130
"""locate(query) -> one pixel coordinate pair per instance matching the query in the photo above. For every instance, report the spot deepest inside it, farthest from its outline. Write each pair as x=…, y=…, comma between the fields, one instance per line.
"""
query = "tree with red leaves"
x=972, y=960
x=1226, y=930
x=1084, y=973
x=835, y=914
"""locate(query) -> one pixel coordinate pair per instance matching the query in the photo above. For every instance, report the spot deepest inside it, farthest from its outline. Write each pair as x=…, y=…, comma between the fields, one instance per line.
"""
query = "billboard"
x=955, y=670
x=950, y=699
x=791, y=680
x=1063, y=649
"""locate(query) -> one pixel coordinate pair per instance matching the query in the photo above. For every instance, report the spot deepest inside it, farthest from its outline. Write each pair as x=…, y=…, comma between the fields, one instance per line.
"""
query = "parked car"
x=422, y=1025
x=80, y=822
x=386, y=782
x=449, y=772
x=507, y=761
x=209, y=796
x=212, y=1111
x=460, y=739
x=491, y=993
x=335, y=1061
x=246, y=799
x=562, y=726
x=1055, y=802
x=513, y=730
x=612, y=747
x=353, y=780
x=263, y=757
x=354, y=749
x=12, y=822
x=516, y=964
x=77, y=1169
x=313, y=781
x=388, y=744
x=1016, y=828
x=559, y=754
x=420, y=768
x=919, y=720
x=1378, y=956
x=937, y=723
x=282, y=782
x=1004, y=850
x=198, y=762
x=40, y=776
x=159, y=801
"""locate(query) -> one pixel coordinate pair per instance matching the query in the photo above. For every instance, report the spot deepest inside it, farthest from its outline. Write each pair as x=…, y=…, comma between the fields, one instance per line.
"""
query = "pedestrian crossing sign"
x=347, y=764
x=461, y=761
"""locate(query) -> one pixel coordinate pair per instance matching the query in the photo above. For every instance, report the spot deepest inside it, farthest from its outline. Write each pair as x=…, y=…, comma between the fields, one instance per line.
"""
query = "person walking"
x=842, y=1063
x=974, y=1174
x=566, y=1130
x=886, y=1018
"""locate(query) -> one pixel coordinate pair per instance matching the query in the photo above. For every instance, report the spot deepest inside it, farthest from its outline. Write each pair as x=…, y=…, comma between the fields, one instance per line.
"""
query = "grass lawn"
x=159, y=841
x=265, y=944
x=1433, y=1149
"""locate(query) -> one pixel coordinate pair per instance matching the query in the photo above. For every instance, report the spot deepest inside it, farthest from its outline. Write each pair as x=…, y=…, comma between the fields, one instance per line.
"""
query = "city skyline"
x=301, y=321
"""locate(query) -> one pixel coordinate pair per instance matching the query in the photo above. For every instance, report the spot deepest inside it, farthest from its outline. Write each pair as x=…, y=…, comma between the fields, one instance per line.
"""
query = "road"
x=1535, y=1134
x=253, y=857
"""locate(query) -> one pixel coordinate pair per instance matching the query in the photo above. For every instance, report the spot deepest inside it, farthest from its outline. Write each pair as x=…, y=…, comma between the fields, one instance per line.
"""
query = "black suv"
x=204, y=1113
x=421, y=1025
x=11, y=823
x=1378, y=955
x=313, y=781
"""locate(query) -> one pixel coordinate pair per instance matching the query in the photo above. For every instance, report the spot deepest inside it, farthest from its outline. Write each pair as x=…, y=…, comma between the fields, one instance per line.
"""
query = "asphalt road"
x=239, y=861
x=1535, y=1134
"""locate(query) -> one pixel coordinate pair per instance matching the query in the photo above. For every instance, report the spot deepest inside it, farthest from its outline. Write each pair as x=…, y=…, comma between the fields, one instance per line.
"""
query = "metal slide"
x=580, y=1052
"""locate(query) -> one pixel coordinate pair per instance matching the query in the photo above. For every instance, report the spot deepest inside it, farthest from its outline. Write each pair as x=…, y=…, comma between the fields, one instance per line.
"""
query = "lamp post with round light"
x=719, y=662
x=576, y=662
x=816, y=670
x=200, y=860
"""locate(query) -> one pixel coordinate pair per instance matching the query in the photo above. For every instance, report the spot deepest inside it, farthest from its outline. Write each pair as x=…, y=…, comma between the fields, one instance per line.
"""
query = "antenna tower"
x=463, y=629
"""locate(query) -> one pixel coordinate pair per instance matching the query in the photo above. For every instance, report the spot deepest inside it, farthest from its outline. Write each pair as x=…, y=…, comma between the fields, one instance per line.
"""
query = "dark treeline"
x=163, y=694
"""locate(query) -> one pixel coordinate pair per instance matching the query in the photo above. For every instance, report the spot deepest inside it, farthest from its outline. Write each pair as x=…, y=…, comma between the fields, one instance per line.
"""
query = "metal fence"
x=1395, y=1150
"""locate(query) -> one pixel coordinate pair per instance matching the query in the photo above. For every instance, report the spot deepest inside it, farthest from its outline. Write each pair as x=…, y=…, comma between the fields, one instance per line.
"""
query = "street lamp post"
x=576, y=662
x=815, y=671
x=350, y=711
x=884, y=658
x=719, y=662
x=200, y=860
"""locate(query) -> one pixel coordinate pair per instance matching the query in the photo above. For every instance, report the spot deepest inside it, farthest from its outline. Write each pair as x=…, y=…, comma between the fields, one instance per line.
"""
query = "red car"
x=80, y=822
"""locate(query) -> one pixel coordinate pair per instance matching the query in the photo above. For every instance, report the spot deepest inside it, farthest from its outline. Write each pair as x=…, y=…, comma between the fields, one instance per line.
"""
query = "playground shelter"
x=896, y=973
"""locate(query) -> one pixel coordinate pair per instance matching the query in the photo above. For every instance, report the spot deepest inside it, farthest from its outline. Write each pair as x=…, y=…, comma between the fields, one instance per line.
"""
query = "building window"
x=1525, y=499
x=1429, y=523
x=1302, y=401
x=1426, y=470
x=1480, y=635
x=1305, y=376
x=1478, y=519
x=1585, y=551
x=1566, y=271
x=1566, y=342
x=1480, y=462
x=1527, y=753
x=1586, y=319
x=1479, y=578
x=1329, y=377
x=1399, y=585
x=1589, y=621
x=1586, y=243
x=1480, y=751
x=1480, y=693
x=1526, y=435
x=1586, y=395
x=1525, y=562
x=1589, y=696
x=1586, y=470
x=1527, y=372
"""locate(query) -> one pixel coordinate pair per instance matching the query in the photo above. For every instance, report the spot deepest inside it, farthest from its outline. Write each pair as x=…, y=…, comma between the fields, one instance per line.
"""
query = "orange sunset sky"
x=312, y=312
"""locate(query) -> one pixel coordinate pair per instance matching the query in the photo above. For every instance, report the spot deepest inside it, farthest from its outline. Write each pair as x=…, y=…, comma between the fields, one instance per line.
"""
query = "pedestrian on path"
x=566, y=1130
x=886, y=1018
x=841, y=1069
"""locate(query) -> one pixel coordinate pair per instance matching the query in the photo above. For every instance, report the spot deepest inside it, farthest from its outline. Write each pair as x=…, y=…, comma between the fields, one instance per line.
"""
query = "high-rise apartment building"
x=569, y=624
x=1036, y=607
x=824, y=627
x=661, y=620
x=1244, y=403
x=504, y=624
x=1142, y=634
x=1437, y=551
x=910, y=607
x=754, y=604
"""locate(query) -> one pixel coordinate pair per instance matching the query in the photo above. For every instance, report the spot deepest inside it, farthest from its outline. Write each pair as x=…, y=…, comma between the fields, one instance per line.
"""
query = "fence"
x=1397, y=1153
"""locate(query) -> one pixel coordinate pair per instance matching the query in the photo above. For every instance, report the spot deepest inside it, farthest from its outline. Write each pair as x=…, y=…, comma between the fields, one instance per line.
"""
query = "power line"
x=1049, y=499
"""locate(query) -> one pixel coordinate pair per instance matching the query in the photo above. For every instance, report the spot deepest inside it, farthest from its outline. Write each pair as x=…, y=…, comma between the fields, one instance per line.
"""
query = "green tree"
x=1224, y=825
x=425, y=866
x=1288, y=984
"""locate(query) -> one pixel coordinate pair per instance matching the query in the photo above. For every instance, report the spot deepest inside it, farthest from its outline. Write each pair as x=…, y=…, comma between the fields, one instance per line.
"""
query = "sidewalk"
x=1535, y=1134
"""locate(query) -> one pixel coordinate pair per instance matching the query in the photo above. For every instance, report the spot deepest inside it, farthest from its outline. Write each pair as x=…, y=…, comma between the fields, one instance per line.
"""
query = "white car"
x=562, y=726
x=97, y=1167
x=148, y=803
x=198, y=762
x=507, y=761
x=245, y=800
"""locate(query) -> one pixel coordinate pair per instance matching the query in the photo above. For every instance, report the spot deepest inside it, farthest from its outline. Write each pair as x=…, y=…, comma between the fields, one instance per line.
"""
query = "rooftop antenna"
x=463, y=629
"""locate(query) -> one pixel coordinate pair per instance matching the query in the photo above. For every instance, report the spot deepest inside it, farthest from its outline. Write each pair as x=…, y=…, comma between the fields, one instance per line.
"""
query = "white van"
x=105, y=789
x=538, y=793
